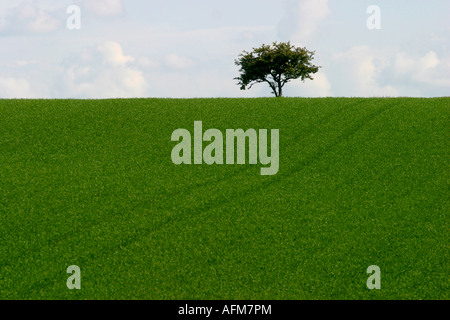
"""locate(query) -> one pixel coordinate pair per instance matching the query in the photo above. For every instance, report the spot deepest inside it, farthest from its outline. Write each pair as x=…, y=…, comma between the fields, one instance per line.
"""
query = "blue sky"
x=174, y=48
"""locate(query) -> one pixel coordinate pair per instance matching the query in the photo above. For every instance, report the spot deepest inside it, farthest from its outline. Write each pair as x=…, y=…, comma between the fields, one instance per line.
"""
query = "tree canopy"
x=276, y=65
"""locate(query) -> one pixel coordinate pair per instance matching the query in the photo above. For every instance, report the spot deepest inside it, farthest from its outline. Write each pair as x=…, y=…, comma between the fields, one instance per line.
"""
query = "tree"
x=275, y=64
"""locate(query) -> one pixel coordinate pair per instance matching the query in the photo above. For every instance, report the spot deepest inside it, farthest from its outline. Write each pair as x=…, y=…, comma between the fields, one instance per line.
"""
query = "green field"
x=91, y=183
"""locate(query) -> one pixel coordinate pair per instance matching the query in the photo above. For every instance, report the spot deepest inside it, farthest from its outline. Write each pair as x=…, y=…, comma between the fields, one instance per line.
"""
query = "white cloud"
x=301, y=19
x=319, y=87
x=24, y=63
x=404, y=64
x=146, y=62
x=176, y=61
x=428, y=69
x=367, y=71
x=361, y=69
x=108, y=83
x=15, y=88
x=28, y=18
x=104, y=72
x=197, y=84
x=43, y=23
x=107, y=8
x=430, y=60
x=113, y=54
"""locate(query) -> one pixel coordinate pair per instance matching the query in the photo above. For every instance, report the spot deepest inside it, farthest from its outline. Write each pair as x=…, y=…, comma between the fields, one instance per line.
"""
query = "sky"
x=187, y=49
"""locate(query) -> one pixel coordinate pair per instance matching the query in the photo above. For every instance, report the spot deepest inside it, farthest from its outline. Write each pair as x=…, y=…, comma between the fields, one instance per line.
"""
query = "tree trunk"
x=280, y=89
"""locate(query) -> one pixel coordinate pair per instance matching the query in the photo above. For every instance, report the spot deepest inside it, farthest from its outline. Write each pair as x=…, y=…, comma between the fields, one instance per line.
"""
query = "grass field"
x=91, y=183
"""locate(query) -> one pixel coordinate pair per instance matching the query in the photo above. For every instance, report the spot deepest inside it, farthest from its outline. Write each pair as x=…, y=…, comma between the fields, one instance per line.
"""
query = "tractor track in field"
x=179, y=192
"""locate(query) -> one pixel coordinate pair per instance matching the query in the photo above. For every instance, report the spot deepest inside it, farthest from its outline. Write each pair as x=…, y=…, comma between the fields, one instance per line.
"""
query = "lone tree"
x=276, y=64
